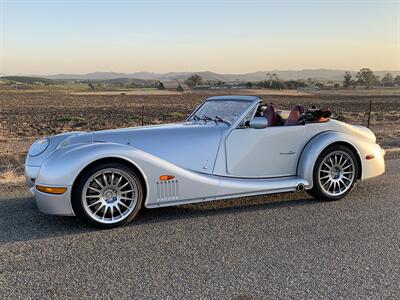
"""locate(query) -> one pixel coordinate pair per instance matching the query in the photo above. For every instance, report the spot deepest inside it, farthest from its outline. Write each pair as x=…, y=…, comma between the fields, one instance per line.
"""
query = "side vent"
x=167, y=190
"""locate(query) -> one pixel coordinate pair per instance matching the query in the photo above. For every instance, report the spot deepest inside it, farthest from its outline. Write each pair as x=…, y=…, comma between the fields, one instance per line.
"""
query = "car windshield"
x=220, y=110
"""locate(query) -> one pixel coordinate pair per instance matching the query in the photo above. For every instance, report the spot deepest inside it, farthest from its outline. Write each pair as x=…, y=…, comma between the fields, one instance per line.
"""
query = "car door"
x=268, y=152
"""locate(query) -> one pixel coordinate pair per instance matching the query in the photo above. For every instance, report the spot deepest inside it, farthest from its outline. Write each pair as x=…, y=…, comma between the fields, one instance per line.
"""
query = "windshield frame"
x=238, y=120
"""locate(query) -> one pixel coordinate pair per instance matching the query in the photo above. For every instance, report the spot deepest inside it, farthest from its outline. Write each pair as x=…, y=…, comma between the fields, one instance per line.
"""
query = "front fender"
x=64, y=165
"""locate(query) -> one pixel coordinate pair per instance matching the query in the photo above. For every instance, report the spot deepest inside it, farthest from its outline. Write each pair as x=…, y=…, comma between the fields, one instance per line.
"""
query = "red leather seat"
x=294, y=115
x=271, y=114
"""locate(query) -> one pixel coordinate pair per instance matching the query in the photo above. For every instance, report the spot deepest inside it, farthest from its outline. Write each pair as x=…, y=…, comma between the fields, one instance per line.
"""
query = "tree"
x=132, y=85
x=347, y=79
x=249, y=85
x=396, y=80
x=387, y=79
x=194, y=80
x=336, y=85
x=295, y=84
x=272, y=77
x=91, y=86
x=274, y=82
x=366, y=77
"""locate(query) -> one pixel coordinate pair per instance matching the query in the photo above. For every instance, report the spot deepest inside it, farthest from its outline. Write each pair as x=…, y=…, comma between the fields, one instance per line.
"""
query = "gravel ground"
x=279, y=246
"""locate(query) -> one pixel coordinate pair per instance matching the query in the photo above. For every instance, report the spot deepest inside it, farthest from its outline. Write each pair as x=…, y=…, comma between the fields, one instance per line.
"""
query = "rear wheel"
x=335, y=173
x=108, y=195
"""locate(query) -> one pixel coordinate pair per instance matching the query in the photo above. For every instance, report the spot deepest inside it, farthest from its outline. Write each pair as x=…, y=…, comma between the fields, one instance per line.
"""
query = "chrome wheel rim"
x=109, y=195
x=336, y=173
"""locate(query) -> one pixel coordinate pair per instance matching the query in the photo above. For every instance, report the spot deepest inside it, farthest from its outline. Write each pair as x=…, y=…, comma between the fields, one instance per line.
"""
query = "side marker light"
x=51, y=190
x=166, y=177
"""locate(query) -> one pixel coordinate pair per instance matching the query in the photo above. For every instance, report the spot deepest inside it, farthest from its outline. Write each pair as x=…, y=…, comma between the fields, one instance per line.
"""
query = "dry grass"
x=124, y=93
x=11, y=176
x=30, y=114
x=12, y=165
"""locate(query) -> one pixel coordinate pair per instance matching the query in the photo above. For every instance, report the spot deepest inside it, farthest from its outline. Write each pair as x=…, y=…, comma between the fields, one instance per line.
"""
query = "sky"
x=51, y=37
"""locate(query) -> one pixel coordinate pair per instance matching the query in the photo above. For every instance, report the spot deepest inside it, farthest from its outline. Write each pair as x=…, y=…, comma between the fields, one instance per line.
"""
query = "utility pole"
x=369, y=113
x=142, y=115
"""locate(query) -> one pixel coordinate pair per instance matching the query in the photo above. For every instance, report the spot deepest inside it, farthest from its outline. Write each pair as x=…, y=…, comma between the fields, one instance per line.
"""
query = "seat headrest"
x=271, y=114
x=294, y=115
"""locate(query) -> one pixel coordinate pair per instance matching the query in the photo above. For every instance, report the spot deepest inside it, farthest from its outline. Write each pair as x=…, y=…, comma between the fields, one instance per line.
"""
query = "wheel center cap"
x=108, y=194
x=335, y=173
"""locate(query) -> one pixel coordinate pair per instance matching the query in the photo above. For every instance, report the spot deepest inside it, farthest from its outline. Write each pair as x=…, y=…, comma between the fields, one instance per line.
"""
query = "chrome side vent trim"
x=167, y=190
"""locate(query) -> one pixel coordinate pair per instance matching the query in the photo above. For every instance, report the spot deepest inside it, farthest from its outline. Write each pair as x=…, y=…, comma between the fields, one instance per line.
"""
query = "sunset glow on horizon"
x=50, y=37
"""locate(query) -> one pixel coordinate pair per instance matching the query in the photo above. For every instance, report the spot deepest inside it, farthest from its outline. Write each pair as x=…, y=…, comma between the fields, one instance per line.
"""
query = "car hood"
x=188, y=145
x=192, y=146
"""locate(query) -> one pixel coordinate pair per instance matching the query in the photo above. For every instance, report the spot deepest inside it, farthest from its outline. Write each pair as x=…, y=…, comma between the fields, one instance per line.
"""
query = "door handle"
x=288, y=153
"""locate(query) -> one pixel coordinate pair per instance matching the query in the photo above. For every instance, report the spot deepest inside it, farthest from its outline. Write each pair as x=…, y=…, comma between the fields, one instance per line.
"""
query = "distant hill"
x=30, y=79
x=318, y=74
x=321, y=74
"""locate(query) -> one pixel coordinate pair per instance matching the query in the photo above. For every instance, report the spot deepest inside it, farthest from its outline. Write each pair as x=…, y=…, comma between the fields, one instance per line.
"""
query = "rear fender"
x=314, y=148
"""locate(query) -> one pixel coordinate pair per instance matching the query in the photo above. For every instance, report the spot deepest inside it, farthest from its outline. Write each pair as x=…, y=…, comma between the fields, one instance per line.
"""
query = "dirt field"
x=27, y=115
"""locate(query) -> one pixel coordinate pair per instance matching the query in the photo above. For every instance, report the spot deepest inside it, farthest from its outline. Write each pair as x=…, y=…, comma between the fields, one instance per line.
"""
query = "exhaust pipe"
x=300, y=187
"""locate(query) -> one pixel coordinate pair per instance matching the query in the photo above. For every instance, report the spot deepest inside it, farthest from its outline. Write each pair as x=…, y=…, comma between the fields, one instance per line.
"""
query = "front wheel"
x=108, y=195
x=335, y=173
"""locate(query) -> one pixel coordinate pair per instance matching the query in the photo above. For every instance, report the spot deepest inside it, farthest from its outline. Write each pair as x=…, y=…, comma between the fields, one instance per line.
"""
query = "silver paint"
x=270, y=160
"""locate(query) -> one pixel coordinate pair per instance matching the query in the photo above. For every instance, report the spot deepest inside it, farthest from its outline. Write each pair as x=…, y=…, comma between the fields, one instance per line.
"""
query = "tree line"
x=272, y=81
x=365, y=77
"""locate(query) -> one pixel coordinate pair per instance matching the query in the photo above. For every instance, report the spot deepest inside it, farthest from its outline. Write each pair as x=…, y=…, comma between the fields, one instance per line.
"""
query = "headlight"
x=39, y=147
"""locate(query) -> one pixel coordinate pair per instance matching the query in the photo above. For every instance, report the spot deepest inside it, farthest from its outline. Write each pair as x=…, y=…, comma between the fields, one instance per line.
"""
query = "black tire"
x=319, y=190
x=78, y=201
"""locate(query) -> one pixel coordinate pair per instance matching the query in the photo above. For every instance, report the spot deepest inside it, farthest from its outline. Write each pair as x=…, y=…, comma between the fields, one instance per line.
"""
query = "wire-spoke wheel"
x=109, y=195
x=335, y=173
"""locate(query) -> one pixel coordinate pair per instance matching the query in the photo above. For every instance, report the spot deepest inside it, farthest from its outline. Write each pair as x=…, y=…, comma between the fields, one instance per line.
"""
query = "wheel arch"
x=119, y=160
x=314, y=148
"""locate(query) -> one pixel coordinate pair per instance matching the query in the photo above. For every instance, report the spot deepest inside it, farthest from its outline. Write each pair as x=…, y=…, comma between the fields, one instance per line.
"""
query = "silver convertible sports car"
x=230, y=146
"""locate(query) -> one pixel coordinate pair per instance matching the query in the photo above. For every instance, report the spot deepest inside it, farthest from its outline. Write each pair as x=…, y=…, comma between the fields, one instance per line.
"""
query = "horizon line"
x=204, y=71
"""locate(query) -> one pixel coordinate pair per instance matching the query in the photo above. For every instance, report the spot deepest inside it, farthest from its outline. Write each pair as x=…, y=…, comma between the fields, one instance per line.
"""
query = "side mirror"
x=259, y=123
